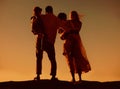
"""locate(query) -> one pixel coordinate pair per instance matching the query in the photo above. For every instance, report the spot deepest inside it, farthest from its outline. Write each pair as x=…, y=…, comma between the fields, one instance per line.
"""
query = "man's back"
x=50, y=22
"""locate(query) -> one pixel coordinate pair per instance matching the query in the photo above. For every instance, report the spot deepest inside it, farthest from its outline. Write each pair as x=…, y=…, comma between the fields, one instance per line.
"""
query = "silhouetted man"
x=50, y=22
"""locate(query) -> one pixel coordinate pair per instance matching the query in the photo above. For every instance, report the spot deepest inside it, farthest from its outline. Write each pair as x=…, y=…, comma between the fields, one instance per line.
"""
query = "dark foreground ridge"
x=59, y=84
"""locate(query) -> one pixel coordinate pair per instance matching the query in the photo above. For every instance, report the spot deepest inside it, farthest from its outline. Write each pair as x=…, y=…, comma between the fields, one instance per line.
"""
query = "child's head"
x=37, y=10
x=62, y=16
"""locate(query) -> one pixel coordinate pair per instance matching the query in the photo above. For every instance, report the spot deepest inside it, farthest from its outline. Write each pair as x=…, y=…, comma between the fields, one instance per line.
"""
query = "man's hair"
x=49, y=9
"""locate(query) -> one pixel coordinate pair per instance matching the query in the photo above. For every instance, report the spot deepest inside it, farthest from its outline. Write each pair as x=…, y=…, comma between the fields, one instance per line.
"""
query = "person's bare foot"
x=37, y=78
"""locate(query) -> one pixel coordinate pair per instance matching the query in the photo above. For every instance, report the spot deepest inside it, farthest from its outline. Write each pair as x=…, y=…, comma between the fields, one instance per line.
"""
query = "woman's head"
x=74, y=15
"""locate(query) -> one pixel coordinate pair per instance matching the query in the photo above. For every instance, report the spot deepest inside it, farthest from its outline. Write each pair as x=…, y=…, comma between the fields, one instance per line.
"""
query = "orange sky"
x=100, y=34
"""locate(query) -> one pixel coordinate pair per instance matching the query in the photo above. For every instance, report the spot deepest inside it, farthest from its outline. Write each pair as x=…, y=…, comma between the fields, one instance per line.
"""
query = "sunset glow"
x=100, y=34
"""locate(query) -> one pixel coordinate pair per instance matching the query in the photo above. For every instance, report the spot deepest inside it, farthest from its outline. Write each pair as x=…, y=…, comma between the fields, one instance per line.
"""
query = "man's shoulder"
x=50, y=15
x=42, y=15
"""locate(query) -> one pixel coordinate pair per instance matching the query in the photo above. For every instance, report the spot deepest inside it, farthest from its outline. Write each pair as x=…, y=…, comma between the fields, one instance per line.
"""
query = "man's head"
x=49, y=9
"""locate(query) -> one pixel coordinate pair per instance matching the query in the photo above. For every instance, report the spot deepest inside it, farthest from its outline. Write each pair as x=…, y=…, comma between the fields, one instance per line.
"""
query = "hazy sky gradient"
x=100, y=34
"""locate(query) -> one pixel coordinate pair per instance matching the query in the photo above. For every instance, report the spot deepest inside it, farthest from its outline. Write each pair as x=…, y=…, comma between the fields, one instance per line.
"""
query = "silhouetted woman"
x=73, y=47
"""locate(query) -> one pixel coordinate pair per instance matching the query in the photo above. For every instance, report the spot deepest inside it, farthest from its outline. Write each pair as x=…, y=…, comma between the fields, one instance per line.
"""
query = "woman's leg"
x=71, y=66
x=73, y=76
x=79, y=74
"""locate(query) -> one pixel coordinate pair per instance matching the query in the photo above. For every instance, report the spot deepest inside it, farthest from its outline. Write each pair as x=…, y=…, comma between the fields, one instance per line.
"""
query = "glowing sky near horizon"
x=100, y=34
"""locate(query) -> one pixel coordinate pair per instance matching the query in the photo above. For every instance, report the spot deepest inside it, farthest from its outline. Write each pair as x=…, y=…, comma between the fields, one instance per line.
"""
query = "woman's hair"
x=74, y=15
x=62, y=16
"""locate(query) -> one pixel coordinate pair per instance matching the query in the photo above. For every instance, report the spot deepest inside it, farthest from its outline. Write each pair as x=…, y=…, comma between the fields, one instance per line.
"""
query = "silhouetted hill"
x=49, y=84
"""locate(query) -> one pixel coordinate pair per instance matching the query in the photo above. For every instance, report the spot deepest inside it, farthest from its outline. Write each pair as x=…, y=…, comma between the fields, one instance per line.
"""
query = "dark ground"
x=49, y=84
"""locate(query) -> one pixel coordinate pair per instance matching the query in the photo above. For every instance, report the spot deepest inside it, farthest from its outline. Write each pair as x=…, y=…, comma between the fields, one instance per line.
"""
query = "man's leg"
x=51, y=54
x=39, y=56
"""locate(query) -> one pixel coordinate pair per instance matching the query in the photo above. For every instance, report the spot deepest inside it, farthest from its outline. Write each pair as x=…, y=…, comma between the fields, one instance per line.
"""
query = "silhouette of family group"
x=46, y=26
